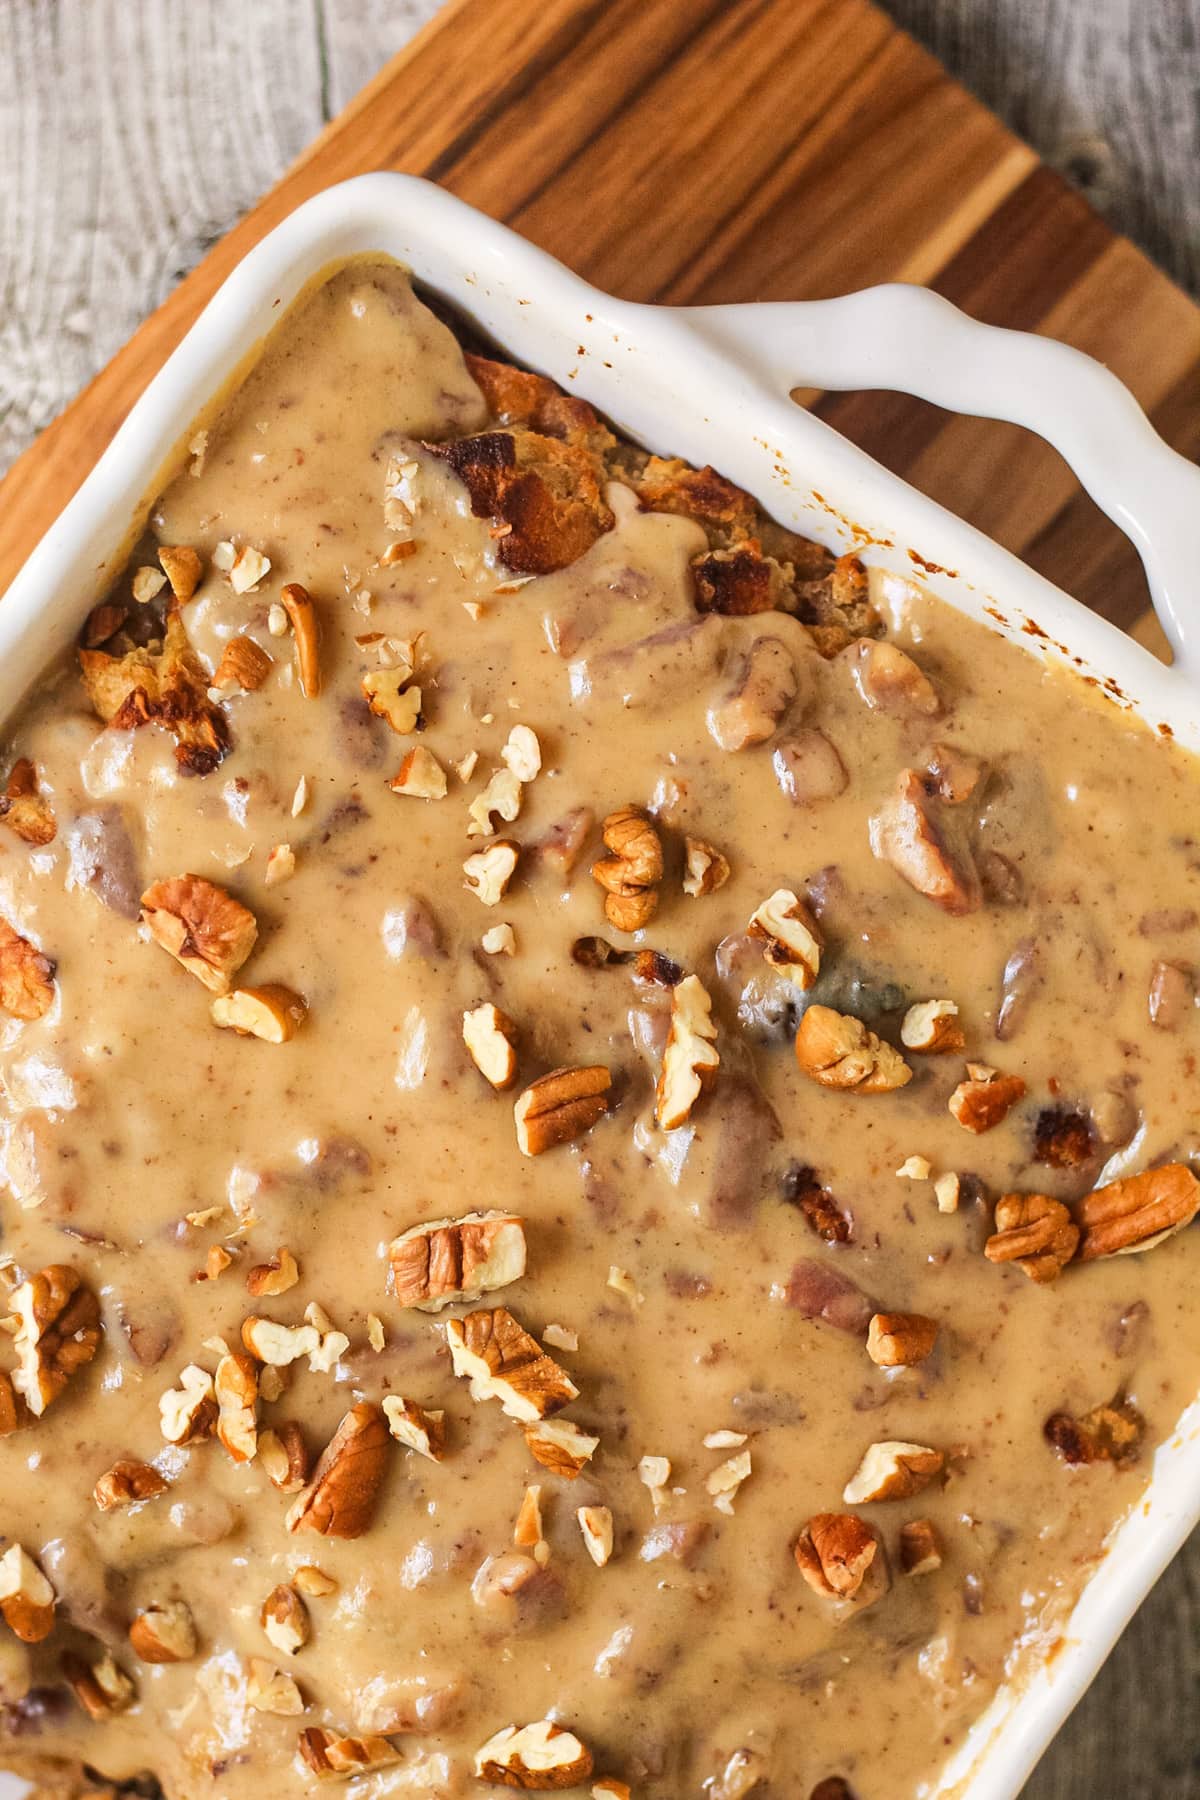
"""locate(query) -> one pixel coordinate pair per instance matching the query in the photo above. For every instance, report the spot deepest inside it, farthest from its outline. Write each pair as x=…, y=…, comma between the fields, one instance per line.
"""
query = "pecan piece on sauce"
x=560, y=1106
x=630, y=874
x=833, y=1553
x=839, y=1051
x=341, y=1498
x=1035, y=1232
x=58, y=1333
x=1110, y=1433
x=1137, y=1212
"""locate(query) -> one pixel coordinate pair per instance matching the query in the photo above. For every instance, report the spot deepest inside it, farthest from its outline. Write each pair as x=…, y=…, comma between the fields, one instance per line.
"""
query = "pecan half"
x=26, y=976
x=690, y=1059
x=536, y=1758
x=1138, y=1212
x=58, y=1333
x=1035, y=1232
x=448, y=1260
x=897, y=1340
x=892, y=1470
x=503, y=1362
x=631, y=873
x=127, y=1484
x=561, y=1106
x=23, y=809
x=205, y=929
x=985, y=1100
x=341, y=1498
x=839, y=1051
x=1110, y=1433
x=833, y=1553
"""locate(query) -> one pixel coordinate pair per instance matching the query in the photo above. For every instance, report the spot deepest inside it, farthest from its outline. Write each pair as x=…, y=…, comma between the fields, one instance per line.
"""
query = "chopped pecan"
x=270, y=1279
x=889, y=680
x=920, y=1547
x=330, y=1757
x=931, y=1027
x=164, y=1634
x=58, y=1333
x=1138, y=1212
x=897, y=1340
x=416, y=1428
x=27, y=1599
x=26, y=976
x=13, y=1411
x=985, y=1099
x=1172, y=994
x=279, y=1345
x=127, y=1484
x=690, y=1059
x=101, y=1688
x=341, y=1498
x=270, y=1691
x=243, y=664
x=183, y=568
x=790, y=937
x=561, y=1106
x=631, y=874
x=490, y=1037
x=188, y=1413
x=559, y=1445
x=705, y=868
x=391, y=694
x=25, y=810
x=273, y=1013
x=284, y=1618
x=596, y=1524
x=925, y=848
x=534, y=1757
x=302, y=615
x=1110, y=1433
x=201, y=926
x=503, y=1362
x=892, y=1470
x=1035, y=1232
x=420, y=776
x=834, y=1552
x=763, y=685
x=283, y=1456
x=448, y=1260
x=839, y=1051
x=489, y=871
x=235, y=1386
x=167, y=687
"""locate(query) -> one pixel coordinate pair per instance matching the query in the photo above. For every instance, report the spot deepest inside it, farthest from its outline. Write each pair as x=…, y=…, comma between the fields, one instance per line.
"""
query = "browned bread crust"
x=541, y=479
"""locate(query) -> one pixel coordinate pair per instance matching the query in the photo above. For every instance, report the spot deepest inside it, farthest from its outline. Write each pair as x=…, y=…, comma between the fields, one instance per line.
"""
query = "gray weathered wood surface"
x=134, y=132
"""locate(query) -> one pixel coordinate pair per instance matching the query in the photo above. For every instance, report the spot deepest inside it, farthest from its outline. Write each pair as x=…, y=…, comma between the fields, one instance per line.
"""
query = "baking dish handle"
x=912, y=341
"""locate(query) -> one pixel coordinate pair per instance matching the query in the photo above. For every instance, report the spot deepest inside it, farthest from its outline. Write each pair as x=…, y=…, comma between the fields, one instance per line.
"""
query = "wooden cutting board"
x=713, y=150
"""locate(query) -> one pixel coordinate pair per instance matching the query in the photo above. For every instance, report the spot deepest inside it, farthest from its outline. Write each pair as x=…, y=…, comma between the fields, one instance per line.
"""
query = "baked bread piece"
x=570, y=1111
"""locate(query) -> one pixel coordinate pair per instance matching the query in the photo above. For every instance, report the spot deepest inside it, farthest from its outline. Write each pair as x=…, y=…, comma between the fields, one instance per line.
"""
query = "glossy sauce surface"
x=127, y=1109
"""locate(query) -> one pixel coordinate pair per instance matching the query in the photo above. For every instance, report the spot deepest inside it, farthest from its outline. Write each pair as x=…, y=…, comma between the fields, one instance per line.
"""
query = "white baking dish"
x=712, y=384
